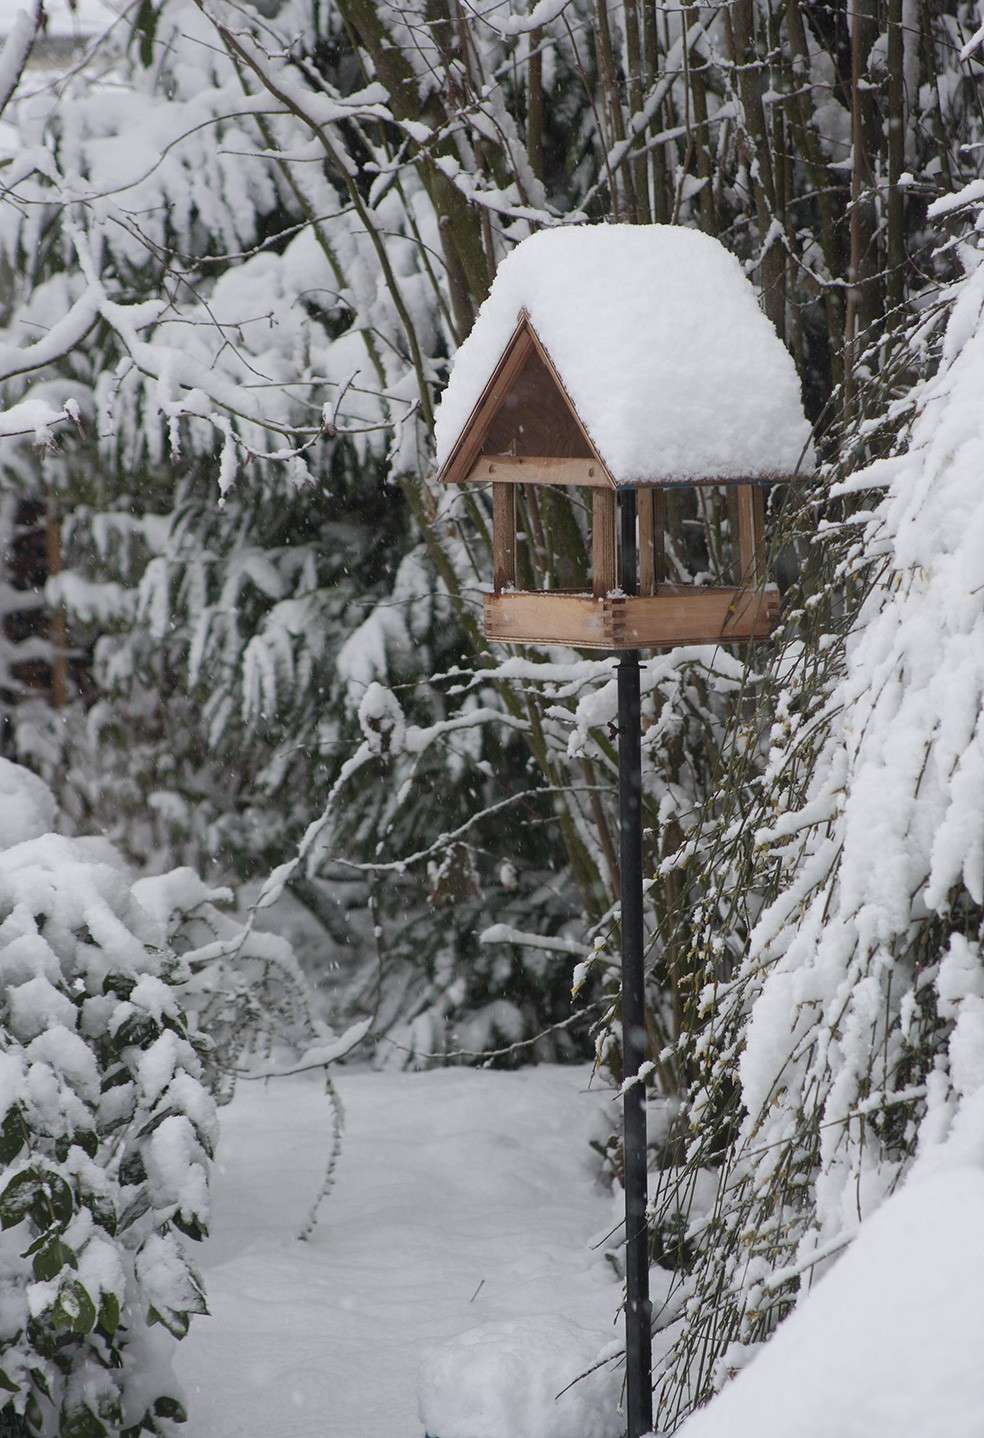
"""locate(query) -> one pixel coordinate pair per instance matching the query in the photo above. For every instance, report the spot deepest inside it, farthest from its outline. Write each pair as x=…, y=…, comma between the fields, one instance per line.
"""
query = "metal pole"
x=638, y=1310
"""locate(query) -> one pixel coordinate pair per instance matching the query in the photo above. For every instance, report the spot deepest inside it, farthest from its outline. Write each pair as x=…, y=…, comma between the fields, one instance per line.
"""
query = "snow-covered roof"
x=658, y=339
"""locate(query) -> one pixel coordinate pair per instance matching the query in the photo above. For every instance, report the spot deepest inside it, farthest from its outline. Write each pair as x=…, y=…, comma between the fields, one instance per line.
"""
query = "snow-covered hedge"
x=106, y=1130
x=844, y=1046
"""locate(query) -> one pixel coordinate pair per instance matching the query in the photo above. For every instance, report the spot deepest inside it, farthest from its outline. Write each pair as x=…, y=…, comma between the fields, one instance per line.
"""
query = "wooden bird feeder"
x=525, y=430
x=631, y=361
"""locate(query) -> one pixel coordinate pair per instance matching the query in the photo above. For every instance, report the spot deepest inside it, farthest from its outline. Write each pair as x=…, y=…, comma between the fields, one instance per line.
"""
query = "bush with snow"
x=106, y=1132
x=846, y=1043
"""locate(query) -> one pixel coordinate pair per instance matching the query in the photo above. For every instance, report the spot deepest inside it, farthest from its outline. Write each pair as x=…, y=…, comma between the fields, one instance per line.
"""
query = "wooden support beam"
x=536, y=469
x=647, y=572
x=661, y=568
x=751, y=536
x=603, y=569
x=652, y=538
x=503, y=536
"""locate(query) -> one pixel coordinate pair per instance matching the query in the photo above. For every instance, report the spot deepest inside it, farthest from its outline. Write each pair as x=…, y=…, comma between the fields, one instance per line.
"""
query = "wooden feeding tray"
x=676, y=614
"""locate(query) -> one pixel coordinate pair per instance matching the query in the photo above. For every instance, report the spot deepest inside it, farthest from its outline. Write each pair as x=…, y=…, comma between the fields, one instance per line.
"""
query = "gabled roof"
x=525, y=412
x=654, y=337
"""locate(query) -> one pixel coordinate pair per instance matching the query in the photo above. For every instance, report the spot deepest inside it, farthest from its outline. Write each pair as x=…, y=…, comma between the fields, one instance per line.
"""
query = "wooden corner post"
x=503, y=536
x=751, y=536
x=603, y=565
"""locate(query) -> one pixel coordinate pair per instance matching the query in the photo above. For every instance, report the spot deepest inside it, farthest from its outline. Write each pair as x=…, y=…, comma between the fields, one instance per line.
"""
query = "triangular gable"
x=525, y=415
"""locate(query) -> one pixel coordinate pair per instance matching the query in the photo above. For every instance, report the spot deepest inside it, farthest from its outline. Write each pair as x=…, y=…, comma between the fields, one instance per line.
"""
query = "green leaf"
x=88, y=1141
x=116, y=1078
x=83, y=1138
x=158, y=1118
x=40, y=1380
x=74, y=1309
x=132, y=1170
x=122, y=985
x=13, y=1134
x=145, y=26
x=19, y=1197
x=175, y=1322
x=60, y=1197
x=33, y=1414
x=40, y=1192
x=165, y=1407
x=103, y=1210
x=51, y=1259
x=7, y=1384
x=82, y=1423
x=109, y=1314
x=138, y=1029
x=134, y=1210
x=190, y=1225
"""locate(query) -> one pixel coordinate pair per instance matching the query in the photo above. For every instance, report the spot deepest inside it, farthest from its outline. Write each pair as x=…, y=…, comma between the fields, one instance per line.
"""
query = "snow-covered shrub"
x=242, y=985
x=845, y=1044
x=106, y=1131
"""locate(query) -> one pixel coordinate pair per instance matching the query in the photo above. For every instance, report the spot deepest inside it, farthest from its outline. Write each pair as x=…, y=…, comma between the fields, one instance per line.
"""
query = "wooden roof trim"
x=715, y=481
x=468, y=446
x=539, y=469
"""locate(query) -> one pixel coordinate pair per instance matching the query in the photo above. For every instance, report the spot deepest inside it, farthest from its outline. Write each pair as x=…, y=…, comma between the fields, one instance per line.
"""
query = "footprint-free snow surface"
x=453, y=1255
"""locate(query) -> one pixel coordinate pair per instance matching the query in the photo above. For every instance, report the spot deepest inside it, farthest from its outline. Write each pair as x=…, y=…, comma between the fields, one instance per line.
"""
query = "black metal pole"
x=638, y=1311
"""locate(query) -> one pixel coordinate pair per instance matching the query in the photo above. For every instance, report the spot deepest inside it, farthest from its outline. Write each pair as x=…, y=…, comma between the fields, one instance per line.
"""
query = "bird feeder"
x=630, y=361
x=625, y=328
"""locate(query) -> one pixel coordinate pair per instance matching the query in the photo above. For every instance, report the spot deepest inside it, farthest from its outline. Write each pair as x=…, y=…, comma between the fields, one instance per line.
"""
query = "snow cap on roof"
x=658, y=339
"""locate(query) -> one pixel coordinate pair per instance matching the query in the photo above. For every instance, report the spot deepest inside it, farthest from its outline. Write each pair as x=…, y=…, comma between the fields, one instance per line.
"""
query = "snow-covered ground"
x=889, y=1343
x=463, y=1200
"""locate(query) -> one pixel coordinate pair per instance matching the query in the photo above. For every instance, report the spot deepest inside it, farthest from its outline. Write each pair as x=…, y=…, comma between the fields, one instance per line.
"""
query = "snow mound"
x=656, y=333
x=889, y=1343
x=27, y=805
x=505, y=1378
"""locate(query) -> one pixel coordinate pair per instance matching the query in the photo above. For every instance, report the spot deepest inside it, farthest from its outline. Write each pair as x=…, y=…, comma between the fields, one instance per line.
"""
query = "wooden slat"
x=603, y=570
x=698, y=616
x=660, y=567
x=751, y=536
x=675, y=615
x=644, y=509
x=503, y=536
x=652, y=538
x=548, y=618
x=536, y=469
